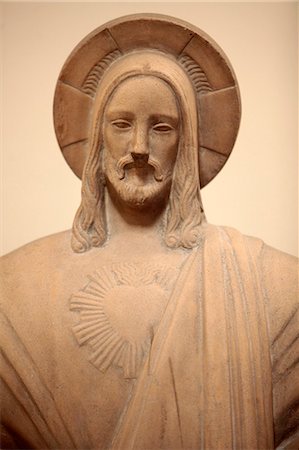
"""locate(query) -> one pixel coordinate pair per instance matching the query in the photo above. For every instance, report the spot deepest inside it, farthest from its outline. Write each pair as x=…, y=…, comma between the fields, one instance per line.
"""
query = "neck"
x=123, y=219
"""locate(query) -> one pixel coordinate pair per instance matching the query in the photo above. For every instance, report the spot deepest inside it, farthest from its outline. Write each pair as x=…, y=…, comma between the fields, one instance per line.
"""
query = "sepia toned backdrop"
x=256, y=192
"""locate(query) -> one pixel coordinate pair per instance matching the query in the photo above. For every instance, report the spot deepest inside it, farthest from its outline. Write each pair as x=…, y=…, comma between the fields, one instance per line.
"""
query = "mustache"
x=129, y=160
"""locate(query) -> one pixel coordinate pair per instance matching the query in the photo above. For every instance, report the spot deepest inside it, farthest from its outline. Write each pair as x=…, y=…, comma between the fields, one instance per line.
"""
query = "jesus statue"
x=144, y=327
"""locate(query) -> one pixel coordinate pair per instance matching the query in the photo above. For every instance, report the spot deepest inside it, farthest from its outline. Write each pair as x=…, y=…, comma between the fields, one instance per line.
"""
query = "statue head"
x=141, y=128
x=180, y=68
x=144, y=142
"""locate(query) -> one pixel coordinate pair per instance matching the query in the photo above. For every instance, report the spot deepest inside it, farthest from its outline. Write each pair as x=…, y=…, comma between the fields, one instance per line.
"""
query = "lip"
x=139, y=174
x=143, y=172
x=139, y=165
x=144, y=169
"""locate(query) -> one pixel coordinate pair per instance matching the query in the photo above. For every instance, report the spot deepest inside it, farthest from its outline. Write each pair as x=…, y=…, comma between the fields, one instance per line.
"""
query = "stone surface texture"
x=145, y=327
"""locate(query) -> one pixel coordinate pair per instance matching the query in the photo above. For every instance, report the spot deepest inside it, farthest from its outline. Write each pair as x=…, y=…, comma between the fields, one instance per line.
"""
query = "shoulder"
x=278, y=271
x=256, y=246
x=44, y=269
x=282, y=266
x=39, y=249
x=230, y=237
x=29, y=265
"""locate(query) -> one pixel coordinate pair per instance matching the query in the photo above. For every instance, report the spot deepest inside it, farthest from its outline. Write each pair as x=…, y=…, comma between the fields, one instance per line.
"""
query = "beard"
x=138, y=184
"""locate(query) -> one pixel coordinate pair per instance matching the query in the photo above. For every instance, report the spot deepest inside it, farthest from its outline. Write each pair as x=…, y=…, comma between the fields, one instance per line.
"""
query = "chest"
x=118, y=310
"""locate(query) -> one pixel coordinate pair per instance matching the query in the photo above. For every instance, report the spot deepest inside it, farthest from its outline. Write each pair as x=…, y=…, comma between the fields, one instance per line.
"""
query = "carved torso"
x=82, y=391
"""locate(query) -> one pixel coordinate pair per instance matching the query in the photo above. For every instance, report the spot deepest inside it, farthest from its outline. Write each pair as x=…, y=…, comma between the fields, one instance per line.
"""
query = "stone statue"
x=144, y=327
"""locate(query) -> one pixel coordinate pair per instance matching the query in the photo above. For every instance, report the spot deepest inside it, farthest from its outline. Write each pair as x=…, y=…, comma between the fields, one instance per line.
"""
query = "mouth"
x=139, y=173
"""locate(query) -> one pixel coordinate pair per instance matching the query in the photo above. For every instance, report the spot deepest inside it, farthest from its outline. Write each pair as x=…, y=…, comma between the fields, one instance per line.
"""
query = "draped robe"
x=221, y=373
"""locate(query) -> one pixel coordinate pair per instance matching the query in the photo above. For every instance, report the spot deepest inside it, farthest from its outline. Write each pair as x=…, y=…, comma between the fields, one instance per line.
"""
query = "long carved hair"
x=184, y=211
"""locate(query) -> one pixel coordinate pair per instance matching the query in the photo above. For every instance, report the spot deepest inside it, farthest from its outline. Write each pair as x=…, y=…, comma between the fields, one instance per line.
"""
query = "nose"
x=140, y=150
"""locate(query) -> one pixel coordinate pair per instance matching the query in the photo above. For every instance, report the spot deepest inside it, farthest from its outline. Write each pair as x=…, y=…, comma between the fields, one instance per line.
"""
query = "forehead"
x=143, y=93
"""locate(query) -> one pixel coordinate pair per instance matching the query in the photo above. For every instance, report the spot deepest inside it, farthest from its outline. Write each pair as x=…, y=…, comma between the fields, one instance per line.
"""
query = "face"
x=141, y=134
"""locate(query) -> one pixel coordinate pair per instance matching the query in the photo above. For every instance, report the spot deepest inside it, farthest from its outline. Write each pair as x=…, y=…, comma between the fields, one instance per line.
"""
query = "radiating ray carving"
x=108, y=308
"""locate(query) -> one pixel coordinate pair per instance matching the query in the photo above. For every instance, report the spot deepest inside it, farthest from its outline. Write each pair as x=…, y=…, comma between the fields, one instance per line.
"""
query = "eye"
x=121, y=124
x=162, y=127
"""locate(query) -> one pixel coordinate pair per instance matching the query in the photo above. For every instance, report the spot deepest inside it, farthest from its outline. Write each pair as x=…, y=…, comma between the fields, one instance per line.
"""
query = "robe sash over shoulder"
x=217, y=392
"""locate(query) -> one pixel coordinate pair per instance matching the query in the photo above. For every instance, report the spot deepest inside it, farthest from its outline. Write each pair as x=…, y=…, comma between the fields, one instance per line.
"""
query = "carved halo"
x=205, y=63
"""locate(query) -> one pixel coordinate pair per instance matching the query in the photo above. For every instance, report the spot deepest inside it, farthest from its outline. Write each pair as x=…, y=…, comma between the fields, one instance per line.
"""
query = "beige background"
x=256, y=191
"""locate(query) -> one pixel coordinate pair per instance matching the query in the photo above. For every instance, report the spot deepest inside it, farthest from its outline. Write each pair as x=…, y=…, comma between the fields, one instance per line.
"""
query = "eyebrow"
x=165, y=118
x=121, y=113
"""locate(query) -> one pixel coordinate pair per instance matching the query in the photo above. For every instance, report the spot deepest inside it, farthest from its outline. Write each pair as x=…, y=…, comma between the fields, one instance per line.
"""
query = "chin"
x=149, y=194
x=138, y=197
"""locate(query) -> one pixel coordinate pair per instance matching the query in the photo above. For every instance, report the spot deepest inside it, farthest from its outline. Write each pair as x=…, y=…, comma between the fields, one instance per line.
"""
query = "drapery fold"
x=35, y=419
x=207, y=381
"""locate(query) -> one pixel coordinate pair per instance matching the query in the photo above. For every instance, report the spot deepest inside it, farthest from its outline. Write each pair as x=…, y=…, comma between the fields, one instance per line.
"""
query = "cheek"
x=164, y=148
x=114, y=142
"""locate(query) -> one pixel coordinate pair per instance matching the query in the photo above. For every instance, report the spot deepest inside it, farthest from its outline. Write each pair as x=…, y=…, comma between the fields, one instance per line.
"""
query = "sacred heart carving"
x=120, y=308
